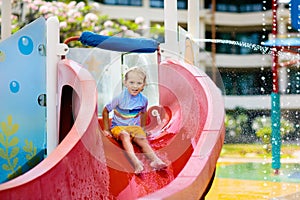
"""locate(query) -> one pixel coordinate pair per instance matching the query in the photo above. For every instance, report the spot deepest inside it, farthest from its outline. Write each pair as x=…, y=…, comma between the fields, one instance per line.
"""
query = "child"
x=130, y=112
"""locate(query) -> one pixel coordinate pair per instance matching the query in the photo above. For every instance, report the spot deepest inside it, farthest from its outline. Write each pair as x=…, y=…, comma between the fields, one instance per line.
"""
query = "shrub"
x=238, y=126
x=262, y=126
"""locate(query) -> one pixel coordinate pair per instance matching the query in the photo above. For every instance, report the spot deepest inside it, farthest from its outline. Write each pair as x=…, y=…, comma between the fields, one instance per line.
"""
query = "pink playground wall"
x=72, y=171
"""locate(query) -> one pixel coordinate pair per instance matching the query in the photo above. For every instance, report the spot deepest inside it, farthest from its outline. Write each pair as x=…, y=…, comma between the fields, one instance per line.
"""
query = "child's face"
x=134, y=83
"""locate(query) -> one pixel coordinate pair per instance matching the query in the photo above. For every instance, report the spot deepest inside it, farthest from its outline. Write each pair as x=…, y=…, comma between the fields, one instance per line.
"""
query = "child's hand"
x=107, y=133
x=149, y=134
x=153, y=134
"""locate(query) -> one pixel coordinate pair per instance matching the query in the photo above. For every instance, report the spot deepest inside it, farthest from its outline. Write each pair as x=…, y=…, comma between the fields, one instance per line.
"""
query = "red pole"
x=275, y=71
x=275, y=55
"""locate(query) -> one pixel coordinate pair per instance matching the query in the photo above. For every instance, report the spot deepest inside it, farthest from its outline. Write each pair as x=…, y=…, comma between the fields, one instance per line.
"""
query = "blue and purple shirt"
x=126, y=109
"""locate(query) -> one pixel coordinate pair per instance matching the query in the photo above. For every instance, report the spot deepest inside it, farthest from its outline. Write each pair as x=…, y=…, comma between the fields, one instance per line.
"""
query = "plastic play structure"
x=51, y=143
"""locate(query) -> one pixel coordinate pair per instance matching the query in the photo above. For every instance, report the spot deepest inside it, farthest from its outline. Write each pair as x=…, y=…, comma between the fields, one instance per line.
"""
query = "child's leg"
x=156, y=162
x=127, y=145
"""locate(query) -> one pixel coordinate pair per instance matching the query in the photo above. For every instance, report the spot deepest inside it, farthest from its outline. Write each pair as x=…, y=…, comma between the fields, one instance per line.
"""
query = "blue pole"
x=275, y=136
x=275, y=98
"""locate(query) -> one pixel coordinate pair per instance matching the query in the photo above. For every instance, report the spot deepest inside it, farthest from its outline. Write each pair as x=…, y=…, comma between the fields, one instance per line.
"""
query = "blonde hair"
x=138, y=70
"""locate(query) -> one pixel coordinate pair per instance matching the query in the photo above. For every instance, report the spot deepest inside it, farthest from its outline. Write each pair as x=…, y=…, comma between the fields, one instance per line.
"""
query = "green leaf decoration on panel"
x=31, y=151
x=10, y=149
x=15, y=173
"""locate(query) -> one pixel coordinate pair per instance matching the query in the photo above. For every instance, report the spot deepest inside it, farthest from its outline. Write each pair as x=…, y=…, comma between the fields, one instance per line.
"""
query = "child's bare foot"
x=158, y=164
x=138, y=167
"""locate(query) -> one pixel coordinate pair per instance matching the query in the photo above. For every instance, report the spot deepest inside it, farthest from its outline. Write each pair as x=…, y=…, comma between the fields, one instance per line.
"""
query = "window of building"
x=122, y=2
x=248, y=39
x=246, y=81
x=236, y=42
x=240, y=5
x=156, y=3
x=294, y=81
x=181, y=4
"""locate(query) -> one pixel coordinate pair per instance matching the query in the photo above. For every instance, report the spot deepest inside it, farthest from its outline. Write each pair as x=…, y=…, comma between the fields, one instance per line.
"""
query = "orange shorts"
x=133, y=131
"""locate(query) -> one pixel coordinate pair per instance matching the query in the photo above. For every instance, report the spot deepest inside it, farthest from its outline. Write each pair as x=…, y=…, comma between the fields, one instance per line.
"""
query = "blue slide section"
x=22, y=94
x=283, y=42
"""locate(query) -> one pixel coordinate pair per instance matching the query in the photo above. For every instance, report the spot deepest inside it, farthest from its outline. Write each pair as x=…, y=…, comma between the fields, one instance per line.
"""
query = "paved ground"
x=236, y=187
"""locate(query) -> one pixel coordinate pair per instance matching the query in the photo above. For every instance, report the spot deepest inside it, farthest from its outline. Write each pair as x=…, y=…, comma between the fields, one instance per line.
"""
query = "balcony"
x=262, y=102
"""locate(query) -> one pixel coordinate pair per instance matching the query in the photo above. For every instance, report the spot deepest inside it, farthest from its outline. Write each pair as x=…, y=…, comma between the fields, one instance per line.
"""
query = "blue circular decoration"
x=25, y=45
x=14, y=86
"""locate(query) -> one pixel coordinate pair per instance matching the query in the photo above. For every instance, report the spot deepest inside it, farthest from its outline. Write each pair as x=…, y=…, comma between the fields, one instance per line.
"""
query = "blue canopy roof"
x=137, y=45
x=284, y=42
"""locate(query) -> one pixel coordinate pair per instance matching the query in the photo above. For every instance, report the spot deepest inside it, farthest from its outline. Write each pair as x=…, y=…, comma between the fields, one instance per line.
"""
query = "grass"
x=255, y=151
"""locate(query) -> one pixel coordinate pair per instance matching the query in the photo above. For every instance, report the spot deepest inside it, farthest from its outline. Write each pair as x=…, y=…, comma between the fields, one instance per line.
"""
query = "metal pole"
x=193, y=18
x=6, y=19
x=275, y=98
x=213, y=37
x=52, y=60
x=170, y=23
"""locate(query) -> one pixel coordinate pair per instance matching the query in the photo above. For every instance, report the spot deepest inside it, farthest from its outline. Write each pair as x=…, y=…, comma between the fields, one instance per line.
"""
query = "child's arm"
x=105, y=118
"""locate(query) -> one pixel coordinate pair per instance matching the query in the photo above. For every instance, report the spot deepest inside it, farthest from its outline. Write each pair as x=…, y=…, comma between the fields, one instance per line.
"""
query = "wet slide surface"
x=89, y=165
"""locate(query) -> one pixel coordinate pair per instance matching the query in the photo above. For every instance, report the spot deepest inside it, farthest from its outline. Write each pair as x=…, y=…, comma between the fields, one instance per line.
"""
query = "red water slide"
x=189, y=132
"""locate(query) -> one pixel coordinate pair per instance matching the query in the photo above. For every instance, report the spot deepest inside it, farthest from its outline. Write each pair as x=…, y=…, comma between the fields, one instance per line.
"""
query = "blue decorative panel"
x=22, y=100
x=295, y=14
